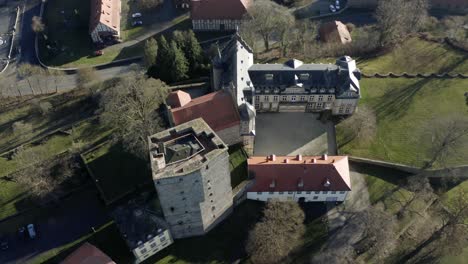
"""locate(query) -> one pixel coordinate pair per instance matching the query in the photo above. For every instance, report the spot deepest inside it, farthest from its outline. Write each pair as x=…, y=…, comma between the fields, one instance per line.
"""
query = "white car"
x=337, y=5
x=31, y=231
x=332, y=8
x=136, y=15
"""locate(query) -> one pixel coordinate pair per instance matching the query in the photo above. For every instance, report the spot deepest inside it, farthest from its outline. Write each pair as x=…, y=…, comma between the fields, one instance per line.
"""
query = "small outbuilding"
x=335, y=31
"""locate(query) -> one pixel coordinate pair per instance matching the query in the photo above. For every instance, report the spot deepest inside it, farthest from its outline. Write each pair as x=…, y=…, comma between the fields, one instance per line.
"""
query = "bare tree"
x=38, y=176
x=37, y=25
x=149, y=4
x=131, y=107
x=267, y=18
x=21, y=129
x=41, y=107
x=85, y=76
x=362, y=125
x=448, y=136
x=279, y=232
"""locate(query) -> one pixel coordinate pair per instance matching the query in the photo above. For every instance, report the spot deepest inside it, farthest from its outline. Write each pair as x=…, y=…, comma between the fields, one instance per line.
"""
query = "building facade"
x=190, y=167
x=142, y=226
x=297, y=87
x=104, y=20
x=297, y=178
x=217, y=15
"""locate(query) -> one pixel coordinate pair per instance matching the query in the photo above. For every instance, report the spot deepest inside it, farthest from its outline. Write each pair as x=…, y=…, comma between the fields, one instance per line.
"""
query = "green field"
x=403, y=108
x=117, y=172
x=237, y=165
x=418, y=56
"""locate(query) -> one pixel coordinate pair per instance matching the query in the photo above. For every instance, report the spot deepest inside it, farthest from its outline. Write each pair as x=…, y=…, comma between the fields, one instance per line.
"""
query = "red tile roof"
x=106, y=12
x=279, y=176
x=178, y=99
x=87, y=254
x=217, y=109
x=218, y=9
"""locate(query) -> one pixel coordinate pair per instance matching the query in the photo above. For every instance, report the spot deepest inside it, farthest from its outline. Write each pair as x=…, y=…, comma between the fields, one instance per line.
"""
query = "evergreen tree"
x=179, y=64
x=150, y=52
x=193, y=51
x=163, y=60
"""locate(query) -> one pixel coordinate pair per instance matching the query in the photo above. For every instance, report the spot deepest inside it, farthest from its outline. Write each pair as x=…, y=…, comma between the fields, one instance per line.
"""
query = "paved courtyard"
x=7, y=20
x=290, y=134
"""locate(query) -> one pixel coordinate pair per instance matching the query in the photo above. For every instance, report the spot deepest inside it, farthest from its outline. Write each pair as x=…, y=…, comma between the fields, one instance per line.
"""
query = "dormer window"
x=304, y=76
x=269, y=77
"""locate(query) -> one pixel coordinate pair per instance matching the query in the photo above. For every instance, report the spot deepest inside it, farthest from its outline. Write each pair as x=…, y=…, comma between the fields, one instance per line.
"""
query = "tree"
x=21, y=129
x=362, y=125
x=306, y=33
x=284, y=26
x=37, y=25
x=448, y=136
x=41, y=178
x=279, y=232
x=85, y=76
x=179, y=64
x=163, y=59
x=193, y=51
x=397, y=18
x=131, y=107
x=266, y=19
x=150, y=52
x=42, y=107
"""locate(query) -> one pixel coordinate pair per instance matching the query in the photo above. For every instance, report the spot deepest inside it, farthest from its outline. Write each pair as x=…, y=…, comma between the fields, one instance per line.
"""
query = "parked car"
x=337, y=5
x=4, y=245
x=98, y=53
x=136, y=15
x=31, y=231
x=137, y=23
x=22, y=232
x=332, y=8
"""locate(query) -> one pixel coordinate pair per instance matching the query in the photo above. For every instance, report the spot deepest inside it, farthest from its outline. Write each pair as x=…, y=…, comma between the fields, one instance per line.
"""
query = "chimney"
x=327, y=183
x=299, y=157
x=314, y=160
x=286, y=160
x=273, y=157
x=324, y=156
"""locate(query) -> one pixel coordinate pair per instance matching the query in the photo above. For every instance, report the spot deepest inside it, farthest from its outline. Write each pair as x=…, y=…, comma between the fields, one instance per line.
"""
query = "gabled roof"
x=88, y=254
x=310, y=173
x=219, y=9
x=106, y=12
x=335, y=31
x=178, y=99
x=217, y=109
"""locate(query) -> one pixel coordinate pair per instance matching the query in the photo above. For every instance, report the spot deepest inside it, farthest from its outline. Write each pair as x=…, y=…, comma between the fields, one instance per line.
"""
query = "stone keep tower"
x=190, y=167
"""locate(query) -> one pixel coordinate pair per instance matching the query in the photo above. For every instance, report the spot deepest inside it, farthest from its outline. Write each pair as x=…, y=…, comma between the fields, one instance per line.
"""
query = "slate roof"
x=218, y=9
x=279, y=176
x=294, y=73
x=217, y=109
x=87, y=254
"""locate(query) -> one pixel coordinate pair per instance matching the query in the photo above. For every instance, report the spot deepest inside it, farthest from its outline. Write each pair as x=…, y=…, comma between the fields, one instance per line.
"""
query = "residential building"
x=87, y=254
x=298, y=87
x=217, y=15
x=452, y=5
x=190, y=168
x=299, y=178
x=104, y=20
x=335, y=32
x=142, y=226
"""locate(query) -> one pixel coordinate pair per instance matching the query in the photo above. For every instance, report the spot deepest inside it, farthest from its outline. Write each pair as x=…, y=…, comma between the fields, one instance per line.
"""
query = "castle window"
x=211, y=194
x=207, y=167
x=186, y=212
x=319, y=105
x=315, y=197
x=275, y=98
x=307, y=192
x=320, y=98
x=162, y=239
x=333, y=192
x=293, y=98
x=213, y=208
x=259, y=192
x=347, y=111
x=183, y=199
x=302, y=98
x=266, y=98
x=304, y=76
x=172, y=209
x=325, y=192
x=257, y=105
x=269, y=77
x=290, y=192
x=311, y=98
x=280, y=192
x=180, y=179
x=299, y=192
x=271, y=192
x=284, y=98
x=257, y=98
x=158, y=182
x=180, y=223
x=143, y=251
x=342, y=192
x=330, y=97
x=317, y=192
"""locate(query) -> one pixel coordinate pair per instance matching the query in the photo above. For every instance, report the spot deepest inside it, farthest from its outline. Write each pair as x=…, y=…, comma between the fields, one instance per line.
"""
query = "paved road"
x=27, y=36
x=70, y=220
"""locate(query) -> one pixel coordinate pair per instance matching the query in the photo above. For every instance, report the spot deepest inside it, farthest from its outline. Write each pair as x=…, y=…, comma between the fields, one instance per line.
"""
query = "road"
x=71, y=219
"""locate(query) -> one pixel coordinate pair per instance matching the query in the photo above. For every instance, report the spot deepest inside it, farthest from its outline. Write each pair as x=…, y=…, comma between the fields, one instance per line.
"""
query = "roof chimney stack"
x=314, y=160
x=273, y=157
x=324, y=156
x=286, y=160
x=299, y=157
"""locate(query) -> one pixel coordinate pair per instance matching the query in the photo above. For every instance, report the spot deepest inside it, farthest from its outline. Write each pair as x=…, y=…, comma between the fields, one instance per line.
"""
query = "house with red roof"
x=231, y=123
x=217, y=15
x=104, y=20
x=299, y=178
x=87, y=254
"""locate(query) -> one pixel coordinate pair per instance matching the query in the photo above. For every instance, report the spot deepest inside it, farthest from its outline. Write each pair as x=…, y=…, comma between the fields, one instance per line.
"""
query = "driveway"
x=73, y=218
x=290, y=134
x=7, y=21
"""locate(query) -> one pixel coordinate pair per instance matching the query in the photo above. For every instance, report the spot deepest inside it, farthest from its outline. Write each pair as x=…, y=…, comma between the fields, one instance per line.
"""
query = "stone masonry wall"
x=230, y=135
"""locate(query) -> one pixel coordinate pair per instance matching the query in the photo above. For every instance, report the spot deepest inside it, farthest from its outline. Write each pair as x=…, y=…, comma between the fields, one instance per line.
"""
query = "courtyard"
x=291, y=134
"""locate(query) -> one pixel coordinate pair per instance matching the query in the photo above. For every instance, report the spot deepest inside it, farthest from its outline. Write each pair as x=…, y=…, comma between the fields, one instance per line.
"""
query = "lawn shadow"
x=395, y=102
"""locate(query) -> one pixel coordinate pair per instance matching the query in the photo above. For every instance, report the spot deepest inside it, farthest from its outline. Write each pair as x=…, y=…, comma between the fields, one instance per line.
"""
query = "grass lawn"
x=118, y=172
x=403, y=108
x=418, y=56
x=237, y=165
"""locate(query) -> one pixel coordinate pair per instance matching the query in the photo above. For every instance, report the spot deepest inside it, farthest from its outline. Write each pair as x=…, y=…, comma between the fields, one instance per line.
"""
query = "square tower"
x=190, y=168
